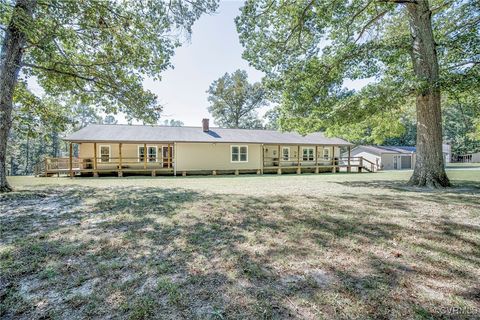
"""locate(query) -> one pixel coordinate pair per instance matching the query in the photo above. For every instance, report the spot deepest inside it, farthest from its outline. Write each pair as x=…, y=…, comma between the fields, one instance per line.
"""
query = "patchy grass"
x=308, y=247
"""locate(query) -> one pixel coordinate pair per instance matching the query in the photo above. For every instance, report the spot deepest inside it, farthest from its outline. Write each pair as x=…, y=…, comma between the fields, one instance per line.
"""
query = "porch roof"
x=156, y=134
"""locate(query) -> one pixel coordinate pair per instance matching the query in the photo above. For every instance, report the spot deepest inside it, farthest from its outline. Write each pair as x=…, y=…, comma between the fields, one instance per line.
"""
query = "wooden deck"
x=134, y=166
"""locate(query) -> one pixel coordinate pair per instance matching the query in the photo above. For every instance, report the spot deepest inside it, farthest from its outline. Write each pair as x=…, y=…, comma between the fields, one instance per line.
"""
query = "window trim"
x=146, y=151
x=239, y=153
x=328, y=153
x=308, y=153
x=283, y=154
x=109, y=152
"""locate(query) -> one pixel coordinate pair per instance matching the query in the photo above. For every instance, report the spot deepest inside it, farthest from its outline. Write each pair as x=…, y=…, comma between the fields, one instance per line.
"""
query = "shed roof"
x=155, y=134
x=379, y=150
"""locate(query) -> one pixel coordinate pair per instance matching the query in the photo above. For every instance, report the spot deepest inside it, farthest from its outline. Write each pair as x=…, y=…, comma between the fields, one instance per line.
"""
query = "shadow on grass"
x=150, y=252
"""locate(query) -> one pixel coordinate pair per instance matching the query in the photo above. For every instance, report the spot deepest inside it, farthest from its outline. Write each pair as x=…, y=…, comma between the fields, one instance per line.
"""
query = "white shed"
x=387, y=157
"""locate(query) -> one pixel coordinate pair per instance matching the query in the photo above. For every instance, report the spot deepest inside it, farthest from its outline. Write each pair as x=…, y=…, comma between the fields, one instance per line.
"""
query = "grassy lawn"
x=307, y=247
x=463, y=165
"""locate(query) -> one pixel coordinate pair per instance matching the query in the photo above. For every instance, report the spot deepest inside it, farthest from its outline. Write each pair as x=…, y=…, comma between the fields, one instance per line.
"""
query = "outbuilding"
x=387, y=157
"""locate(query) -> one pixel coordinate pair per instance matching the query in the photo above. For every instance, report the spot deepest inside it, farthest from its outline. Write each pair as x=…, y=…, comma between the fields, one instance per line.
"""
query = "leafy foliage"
x=100, y=51
x=87, y=56
x=173, y=123
x=234, y=101
x=460, y=116
x=309, y=48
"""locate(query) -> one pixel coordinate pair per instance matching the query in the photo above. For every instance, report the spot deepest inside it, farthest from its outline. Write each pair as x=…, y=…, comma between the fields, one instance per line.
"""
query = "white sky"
x=214, y=49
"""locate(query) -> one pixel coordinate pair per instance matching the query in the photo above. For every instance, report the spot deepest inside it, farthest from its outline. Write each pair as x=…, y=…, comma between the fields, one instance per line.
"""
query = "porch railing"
x=50, y=166
x=325, y=162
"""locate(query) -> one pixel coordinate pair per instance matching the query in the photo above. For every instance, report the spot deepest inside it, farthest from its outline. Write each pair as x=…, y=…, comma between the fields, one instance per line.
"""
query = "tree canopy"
x=96, y=52
x=234, y=101
x=309, y=48
x=410, y=50
x=100, y=51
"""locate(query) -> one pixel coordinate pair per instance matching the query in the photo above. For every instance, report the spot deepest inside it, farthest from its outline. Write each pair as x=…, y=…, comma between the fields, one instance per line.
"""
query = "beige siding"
x=215, y=156
x=129, y=155
x=271, y=152
x=204, y=156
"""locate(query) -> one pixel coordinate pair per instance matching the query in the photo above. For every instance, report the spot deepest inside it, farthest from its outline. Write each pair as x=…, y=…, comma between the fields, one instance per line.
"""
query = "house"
x=393, y=157
x=134, y=149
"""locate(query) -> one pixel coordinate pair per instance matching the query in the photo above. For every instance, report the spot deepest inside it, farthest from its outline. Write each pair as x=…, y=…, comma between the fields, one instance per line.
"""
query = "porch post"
x=95, y=173
x=279, y=163
x=70, y=160
x=349, y=168
x=334, y=168
x=299, y=170
x=169, y=155
x=316, y=159
x=145, y=154
x=120, y=172
x=174, y=158
x=263, y=157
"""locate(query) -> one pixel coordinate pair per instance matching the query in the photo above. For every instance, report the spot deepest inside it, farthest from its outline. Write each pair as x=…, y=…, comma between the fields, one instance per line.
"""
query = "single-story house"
x=194, y=150
x=393, y=157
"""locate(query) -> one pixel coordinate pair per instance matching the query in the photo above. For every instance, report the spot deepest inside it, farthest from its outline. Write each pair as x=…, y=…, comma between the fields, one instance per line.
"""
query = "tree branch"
x=369, y=23
x=67, y=73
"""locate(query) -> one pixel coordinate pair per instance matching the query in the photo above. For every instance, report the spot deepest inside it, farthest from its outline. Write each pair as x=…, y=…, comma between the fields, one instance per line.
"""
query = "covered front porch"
x=108, y=158
x=312, y=159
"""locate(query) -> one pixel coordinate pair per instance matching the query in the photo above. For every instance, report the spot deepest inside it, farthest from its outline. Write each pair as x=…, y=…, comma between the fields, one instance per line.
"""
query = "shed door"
x=406, y=162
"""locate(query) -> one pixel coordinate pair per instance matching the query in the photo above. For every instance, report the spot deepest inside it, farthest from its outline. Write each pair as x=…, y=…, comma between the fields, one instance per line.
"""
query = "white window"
x=308, y=154
x=239, y=153
x=326, y=153
x=152, y=153
x=286, y=153
x=105, y=154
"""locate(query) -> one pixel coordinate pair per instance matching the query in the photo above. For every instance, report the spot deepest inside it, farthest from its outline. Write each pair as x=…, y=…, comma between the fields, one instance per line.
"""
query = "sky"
x=213, y=50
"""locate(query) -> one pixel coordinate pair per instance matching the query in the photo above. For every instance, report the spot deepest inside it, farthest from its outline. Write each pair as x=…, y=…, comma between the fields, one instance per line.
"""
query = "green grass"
x=291, y=246
x=463, y=165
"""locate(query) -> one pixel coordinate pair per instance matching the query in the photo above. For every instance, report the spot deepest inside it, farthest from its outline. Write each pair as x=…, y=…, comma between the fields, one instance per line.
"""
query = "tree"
x=272, y=116
x=173, y=123
x=410, y=49
x=109, y=119
x=97, y=51
x=37, y=126
x=234, y=101
x=460, y=112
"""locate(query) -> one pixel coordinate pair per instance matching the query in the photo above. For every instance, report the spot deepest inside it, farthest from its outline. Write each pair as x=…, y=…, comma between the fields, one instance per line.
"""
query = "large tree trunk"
x=429, y=167
x=10, y=65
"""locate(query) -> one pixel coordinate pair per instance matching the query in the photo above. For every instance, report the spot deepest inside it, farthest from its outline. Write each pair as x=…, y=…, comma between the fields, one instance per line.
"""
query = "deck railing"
x=324, y=162
x=51, y=166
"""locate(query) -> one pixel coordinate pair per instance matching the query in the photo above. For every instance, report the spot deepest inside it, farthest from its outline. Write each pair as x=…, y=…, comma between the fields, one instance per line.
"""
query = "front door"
x=167, y=156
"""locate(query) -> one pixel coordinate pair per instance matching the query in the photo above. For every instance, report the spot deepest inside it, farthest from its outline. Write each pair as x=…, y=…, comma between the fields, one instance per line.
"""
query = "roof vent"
x=205, y=125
